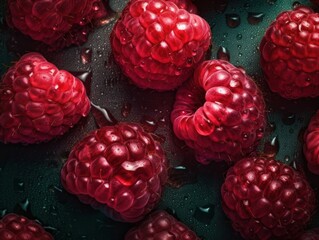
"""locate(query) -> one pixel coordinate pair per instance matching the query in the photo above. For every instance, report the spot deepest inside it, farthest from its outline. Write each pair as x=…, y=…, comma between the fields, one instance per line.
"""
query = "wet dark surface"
x=30, y=175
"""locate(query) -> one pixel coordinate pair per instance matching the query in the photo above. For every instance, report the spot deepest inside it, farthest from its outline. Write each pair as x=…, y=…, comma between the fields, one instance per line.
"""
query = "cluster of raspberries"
x=219, y=112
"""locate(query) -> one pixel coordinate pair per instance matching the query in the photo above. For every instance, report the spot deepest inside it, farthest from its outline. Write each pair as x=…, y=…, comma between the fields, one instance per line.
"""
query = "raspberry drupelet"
x=290, y=53
x=266, y=199
x=158, y=44
x=118, y=169
x=38, y=101
x=220, y=113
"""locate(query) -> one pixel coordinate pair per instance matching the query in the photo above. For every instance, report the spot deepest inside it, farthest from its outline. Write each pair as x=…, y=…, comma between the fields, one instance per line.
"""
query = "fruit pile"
x=219, y=113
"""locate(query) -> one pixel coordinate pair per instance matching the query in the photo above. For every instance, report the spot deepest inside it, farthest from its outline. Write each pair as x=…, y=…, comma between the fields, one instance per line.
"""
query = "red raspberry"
x=266, y=199
x=159, y=226
x=17, y=227
x=57, y=23
x=38, y=101
x=311, y=144
x=119, y=169
x=313, y=234
x=158, y=44
x=220, y=113
x=290, y=52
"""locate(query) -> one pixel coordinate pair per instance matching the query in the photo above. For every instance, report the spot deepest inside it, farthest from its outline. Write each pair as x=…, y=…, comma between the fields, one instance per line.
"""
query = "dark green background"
x=29, y=175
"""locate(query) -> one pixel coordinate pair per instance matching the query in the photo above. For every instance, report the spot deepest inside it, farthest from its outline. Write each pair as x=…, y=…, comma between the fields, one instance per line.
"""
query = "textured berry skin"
x=159, y=226
x=38, y=101
x=290, y=53
x=311, y=144
x=220, y=113
x=58, y=23
x=17, y=227
x=266, y=199
x=119, y=169
x=312, y=234
x=157, y=44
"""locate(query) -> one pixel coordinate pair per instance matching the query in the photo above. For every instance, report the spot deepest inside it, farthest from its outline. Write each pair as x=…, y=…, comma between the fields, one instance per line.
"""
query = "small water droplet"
x=271, y=147
x=102, y=116
x=240, y=54
x=179, y=176
x=254, y=18
x=287, y=158
x=86, y=78
x=86, y=55
x=232, y=20
x=149, y=124
x=24, y=208
x=271, y=2
x=272, y=126
x=239, y=36
x=223, y=53
x=3, y=212
x=18, y=185
x=205, y=213
x=296, y=4
x=126, y=109
x=288, y=118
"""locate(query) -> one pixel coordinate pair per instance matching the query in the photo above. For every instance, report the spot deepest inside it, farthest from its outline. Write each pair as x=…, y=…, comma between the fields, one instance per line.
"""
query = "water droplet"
x=180, y=176
x=272, y=126
x=240, y=54
x=18, y=185
x=111, y=17
x=86, y=55
x=126, y=109
x=149, y=124
x=60, y=194
x=288, y=118
x=287, y=158
x=254, y=18
x=239, y=36
x=86, y=78
x=271, y=2
x=24, y=208
x=172, y=212
x=205, y=213
x=223, y=53
x=102, y=116
x=3, y=212
x=296, y=4
x=271, y=148
x=232, y=20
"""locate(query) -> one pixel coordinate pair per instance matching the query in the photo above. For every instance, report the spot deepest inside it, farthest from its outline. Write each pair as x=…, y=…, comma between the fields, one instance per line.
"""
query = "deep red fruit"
x=161, y=226
x=58, y=23
x=17, y=227
x=158, y=44
x=119, y=169
x=311, y=144
x=38, y=101
x=220, y=113
x=290, y=53
x=266, y=199
x=312, y=234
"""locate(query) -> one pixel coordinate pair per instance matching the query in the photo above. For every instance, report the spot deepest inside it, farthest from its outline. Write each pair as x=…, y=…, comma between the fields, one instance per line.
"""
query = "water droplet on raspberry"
x=223, y=53
x=205, y=213
x=102, y=116
x=255, y=17
x=232, y=20
x=86, y=55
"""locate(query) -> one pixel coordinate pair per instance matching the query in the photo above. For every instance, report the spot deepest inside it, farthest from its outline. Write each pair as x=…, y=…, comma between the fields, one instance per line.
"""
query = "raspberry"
x=313, y=234
x=311, y=144
x=266, y=199
x=158, y=226
x=119, y=169
x=38, y=101
x=13, y=226
x=58, y=23
x=158, y=44
x=220, y=113
x=290, y=52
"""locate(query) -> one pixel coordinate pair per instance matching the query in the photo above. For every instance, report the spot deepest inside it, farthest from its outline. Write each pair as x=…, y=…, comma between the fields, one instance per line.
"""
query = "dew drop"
x=287, y=158
x=106, y=20
x=232, y=20
x=24, y=208
x=296, y=4
x=254, y=18
x=3, y=212
x=102, y=116
x=126, y=109
x=223, y=53
x=288, y=118
x=272, y=126
x=205, y=214
x=86, y=78
x=18, y=185
x=86, y=55
x=271, y=147
x=149, y=124
x=179, y=176
x=271, y=2
x=239, y=36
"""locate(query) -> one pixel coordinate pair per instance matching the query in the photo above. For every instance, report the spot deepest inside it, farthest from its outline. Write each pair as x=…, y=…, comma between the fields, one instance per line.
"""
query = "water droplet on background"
x=232, y=20
x=271, y=147
x=254, y=18
x=271, y=2
x=288, y=118
x=296, y=4
x=223, y=53
x=3, y=212
x=24, y=208
x=180, y=176
x=149, y=124
x=205, y=214
x=126, y=109
x=239, y=36
x=86, y=55
x=102, y=116
x=86, y=78
x=18, y=185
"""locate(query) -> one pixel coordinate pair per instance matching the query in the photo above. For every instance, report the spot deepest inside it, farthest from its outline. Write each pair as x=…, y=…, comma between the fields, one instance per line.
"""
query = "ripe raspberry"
x=38, y=101
x=313, y=234
x=158, y=226
x=158, y=44
x=17, y=227
x=58, y=23
x=311, y=144
x=119, y=169
x=290, y=52
x=266, y=199
x=220, y=113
